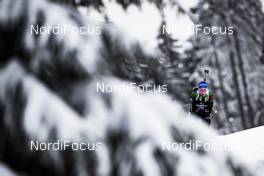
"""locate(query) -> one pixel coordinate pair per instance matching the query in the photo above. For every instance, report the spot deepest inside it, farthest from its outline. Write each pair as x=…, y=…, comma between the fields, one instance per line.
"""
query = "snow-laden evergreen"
x=48, y=93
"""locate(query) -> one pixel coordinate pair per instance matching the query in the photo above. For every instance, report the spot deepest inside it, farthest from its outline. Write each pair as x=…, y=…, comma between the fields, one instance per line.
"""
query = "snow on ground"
x=247, y=144
x=262, y=2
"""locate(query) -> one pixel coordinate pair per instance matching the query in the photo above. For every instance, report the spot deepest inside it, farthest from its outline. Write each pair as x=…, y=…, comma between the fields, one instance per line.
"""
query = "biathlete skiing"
x=202, y=101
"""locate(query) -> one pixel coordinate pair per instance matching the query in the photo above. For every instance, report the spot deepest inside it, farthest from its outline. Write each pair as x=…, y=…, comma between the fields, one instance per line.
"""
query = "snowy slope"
x=248, y=144
x=262, y=2
x=132, y=127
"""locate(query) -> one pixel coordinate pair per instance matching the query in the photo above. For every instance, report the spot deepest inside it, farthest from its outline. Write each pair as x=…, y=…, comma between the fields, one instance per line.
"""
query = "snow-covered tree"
x=48, y=93
x=235, y=60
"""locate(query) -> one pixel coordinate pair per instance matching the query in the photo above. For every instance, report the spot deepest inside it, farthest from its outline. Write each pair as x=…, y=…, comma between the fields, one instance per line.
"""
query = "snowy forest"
x=49, y=84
